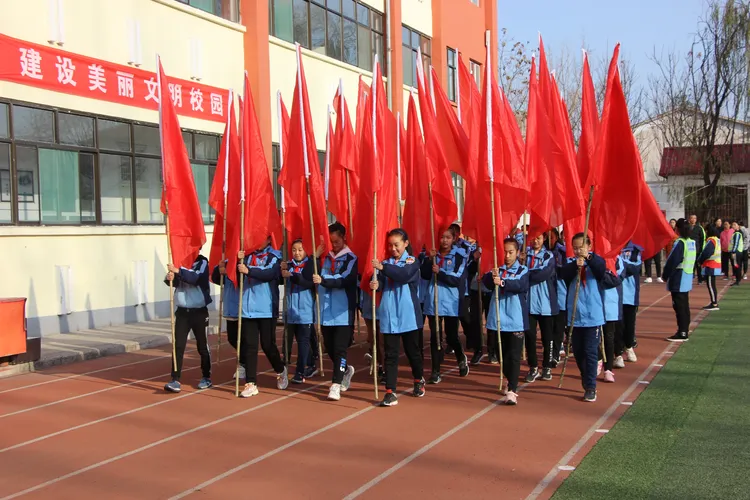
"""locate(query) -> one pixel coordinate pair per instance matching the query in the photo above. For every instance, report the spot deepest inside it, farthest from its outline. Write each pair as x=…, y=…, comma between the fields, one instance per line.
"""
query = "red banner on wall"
x=49, y=68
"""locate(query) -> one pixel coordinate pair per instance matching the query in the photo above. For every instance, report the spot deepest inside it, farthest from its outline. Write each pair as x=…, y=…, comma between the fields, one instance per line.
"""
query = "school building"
x=81, y=233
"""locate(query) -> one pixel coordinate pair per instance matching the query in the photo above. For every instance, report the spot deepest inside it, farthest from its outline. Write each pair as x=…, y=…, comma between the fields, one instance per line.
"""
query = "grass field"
x=688, y=435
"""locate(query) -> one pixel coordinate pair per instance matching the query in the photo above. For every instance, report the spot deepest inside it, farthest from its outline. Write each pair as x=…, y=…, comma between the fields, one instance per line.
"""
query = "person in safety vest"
x=709, y=262
x=737, y=251
x=678, y=272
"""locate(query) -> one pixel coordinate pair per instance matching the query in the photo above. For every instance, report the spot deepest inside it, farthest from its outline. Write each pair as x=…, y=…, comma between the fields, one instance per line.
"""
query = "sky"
x=638, y=25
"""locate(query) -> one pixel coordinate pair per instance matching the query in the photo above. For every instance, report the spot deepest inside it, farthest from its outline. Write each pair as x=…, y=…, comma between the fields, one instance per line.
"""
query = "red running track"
x=105, y=429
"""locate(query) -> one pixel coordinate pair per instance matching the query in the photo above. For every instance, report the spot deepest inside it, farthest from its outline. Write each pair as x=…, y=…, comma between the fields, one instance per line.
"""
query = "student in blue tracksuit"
x=678, y=272
x=298, y=274
x=560, y=321
x=449, y=272
x=613, y=294
x=543, y=308
x=399, y=313
x=625, y=340
x=512, y=281
x=231, y=309
x=192, y=296
x=338, y=300
x=472, y=342
x=261, y=271
x=587, y=325
x=422, y=295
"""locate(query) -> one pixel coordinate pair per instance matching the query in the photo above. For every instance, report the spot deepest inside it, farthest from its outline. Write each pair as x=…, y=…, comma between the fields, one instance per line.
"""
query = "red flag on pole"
x=363, y=93
x=538, y=158
x=226, y=190
x=261, y=217
x=301, y=167
x=470, y=109
x=292, y=216
x=344, y=163
x=417, y=207
x=179, y=199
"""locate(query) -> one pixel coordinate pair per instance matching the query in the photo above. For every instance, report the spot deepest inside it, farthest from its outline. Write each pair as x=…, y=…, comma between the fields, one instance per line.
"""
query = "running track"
x=105, y=429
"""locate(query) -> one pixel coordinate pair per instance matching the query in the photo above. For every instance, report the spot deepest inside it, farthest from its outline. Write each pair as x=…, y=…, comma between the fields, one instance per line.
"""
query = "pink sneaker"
x=599, y=368
x=609, y=377
x=511, y=398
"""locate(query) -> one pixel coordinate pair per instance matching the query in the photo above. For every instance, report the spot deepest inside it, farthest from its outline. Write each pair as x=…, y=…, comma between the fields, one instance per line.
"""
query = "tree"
x=700, y=101
x=514, y=67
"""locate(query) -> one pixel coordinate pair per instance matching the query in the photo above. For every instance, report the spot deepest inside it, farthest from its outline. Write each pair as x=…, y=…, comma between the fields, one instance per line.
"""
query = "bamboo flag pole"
x=523, y=249
x=279, y=120
x=398, y=167
x=438, y=331
x=242, y=282
x=491, y=171
x=310, y=210
x=375, y=233
x=224, y=229
x=578, y=288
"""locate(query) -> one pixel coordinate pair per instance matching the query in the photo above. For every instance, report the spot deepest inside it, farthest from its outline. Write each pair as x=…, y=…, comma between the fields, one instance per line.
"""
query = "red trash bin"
x=12, y=327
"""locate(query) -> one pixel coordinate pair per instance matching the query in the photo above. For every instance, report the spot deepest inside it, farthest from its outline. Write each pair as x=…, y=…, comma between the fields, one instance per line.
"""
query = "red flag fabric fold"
x=345, y=161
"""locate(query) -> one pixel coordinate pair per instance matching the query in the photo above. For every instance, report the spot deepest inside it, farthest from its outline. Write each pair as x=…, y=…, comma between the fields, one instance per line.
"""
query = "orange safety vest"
x=714, y=262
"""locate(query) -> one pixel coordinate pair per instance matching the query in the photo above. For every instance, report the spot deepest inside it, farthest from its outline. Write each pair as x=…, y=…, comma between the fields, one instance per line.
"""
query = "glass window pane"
x=364, y=48
x=87, y=187
x=113, y=135
x=363, y=15
x=187, y=138
x=5, y=191
x=452, y=84
x=76, y=130
x=206, y=147
x=146, y=140
x=31, y=124
x=414, y=40
x=334, y=5
x=4, y=129
x=317, y=29
x=202, y=187
x=348, y=9
x=148, y=187
x=282, y=20
x=59, y=186
x=405, y=36
x=426, y=45
x=27, y=187
x=301, y=35
x=377, y=21
x=408, y=57
x=350, y=42
x=115, y=179
x=333, y=47
x=211, y=175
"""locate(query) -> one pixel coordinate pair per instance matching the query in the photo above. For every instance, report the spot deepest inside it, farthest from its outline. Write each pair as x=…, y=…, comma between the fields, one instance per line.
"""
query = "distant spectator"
x=726, y=242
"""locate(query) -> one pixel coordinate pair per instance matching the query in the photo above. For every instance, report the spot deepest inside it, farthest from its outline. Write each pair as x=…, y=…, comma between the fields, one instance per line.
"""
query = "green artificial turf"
x=687, y=436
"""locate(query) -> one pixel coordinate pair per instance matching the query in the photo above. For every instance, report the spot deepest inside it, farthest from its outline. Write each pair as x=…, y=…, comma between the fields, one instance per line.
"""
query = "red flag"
x=377, y=180
x=451, y=134
x=292, y=217
x=470, y=109
x=538, y=158
x=226, y=187
x=344, y=163
x=363, y=93
x=617, y=172
x=179, y=199
x=491, y=172
x=261, y=217
x=653, y=232
x=417, y=208
x=301, y=167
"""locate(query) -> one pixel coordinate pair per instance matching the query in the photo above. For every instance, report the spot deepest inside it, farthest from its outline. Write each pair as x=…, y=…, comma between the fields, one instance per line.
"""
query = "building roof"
x=687, y=160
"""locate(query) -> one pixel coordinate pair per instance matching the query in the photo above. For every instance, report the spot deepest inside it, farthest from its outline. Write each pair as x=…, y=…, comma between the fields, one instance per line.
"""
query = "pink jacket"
x=726, y=239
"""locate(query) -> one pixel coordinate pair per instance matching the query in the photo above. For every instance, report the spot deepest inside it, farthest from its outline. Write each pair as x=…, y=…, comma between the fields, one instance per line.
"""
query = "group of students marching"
x=535, y=286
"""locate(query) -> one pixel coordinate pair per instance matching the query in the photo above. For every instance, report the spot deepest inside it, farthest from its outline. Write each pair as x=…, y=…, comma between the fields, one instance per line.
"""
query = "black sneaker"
x=494, y=359
x=678, y=337
x=449, y=351
x=381, y=375
x=390, y=399
x=589, y=395
x=298, y=379
x=435, y=378
x=463, y=367
x=477, y=358
x=533, y=375
x=310, y=372
x=419, y=388
x=546, y=374
x=736, y=283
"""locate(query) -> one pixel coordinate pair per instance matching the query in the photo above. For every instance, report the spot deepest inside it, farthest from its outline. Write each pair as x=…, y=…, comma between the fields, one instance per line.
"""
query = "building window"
x=452, y=74
x=345, y=30
x=475, y=2
x=476, y=71
x=226, y=9
x=77, y=169
x=458, y=192
x=411, y=42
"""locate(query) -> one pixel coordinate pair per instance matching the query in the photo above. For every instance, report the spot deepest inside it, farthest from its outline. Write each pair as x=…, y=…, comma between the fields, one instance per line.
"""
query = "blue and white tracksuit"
x=543, y=306
x=301, y=313
x=632, y=259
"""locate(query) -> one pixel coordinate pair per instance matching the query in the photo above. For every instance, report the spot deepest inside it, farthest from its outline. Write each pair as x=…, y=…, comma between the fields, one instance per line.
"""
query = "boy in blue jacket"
x=543, y=308
x=399, y=313
x=473, y=341
x=512, y=280
x=625, y=340
x=231, y=309
x=560, y=321
x=338, y=300
x=449, y=272
x=298, y=274
x=678, y=273
x=192, y=296
x=261, y=271
x=586, y=327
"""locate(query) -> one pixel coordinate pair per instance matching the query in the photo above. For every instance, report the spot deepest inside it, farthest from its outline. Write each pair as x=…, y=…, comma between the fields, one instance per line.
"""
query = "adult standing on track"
x=746, y=237
x=697, y=234
x=737, y=252
x=678, y=272
x=709, y=263
x=726, y=242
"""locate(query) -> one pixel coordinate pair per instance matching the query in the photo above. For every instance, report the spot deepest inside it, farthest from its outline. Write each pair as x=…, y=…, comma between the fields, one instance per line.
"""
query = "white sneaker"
x=659, y=280
x=282, y=380
x=619, y=362
x=250, y=390
x=335, y=393
x=630, y=355
x=648, y=280
x=240, y=372
x=347, y=378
